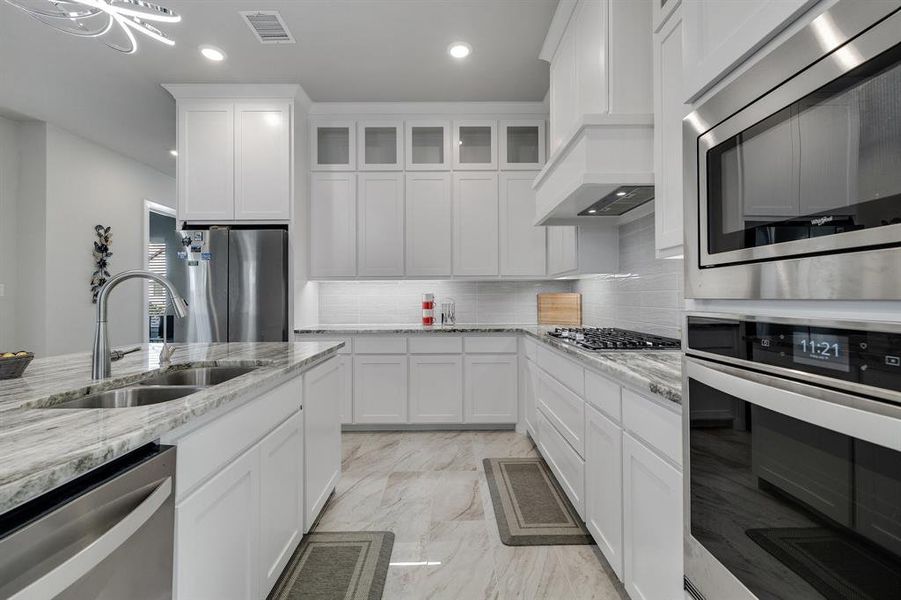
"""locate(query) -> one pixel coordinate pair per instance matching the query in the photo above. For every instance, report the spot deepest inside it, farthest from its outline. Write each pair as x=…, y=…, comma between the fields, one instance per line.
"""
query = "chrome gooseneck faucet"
x=100, y=361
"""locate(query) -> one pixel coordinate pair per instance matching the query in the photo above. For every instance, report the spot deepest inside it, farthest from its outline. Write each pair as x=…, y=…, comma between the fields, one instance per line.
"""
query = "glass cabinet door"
x=475, y=145
x=522, y=145
x=428, y=146
x=333, y=146
x=380, y=145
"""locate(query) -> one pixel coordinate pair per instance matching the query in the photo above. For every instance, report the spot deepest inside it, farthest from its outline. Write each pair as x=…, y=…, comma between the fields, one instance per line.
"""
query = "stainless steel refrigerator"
x=236, y=284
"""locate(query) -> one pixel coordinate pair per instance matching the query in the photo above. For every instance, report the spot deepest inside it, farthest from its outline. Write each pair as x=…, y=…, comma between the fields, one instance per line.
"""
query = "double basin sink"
x=157, y=389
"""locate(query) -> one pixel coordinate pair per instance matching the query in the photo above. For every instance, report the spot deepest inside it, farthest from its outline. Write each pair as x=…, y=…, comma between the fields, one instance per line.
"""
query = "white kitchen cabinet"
x=562, y=249
x=523, y=246
x=720, y=34
x=564, y=409
x=669, y=109
x=436, y=388
x=218, y=534
x=263, y=155
x=380, y=145
x=475, y=145
x=281, y=498
x=380, y=388
x=604, y=486
x=347, y=399
x=528, y=385
x=380, y=224
x=429, y=226
x=323, y=385
x=522, y=145
x=564, y=91
x=475, y=223
x=652, y=524
x=566, y=464
x=490, y=394
x=333, y=146
x=206, y=160
x=428, y=144
x=333, y=219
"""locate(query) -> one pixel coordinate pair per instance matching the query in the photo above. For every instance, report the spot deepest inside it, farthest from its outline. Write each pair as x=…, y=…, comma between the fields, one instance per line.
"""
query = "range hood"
x=601, y=155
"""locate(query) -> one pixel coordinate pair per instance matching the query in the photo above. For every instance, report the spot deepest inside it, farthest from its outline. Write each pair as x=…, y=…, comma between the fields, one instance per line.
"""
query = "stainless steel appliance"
x=610, y=338
x=792, y=429
x=236, y=285
x=105, y=536
x=793, y=170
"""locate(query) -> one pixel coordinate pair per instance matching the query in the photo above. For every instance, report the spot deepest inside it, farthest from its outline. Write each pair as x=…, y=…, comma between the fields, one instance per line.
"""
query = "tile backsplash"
x=389, y=302
x=646, y=295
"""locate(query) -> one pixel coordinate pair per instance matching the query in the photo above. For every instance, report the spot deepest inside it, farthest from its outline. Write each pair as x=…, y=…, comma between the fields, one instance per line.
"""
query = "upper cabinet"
x=475, y=224
x=523, y=246
x=380, y=224
x=262, y=160
x=380, y=145
x=428, y=145
x=475, y=145
x=206, y=160
x=333, y=146
x=522, y=145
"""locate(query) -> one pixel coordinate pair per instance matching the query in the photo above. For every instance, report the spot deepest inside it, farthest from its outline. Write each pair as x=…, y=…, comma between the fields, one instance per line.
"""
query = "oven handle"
x=855, y=416
x=80, y=564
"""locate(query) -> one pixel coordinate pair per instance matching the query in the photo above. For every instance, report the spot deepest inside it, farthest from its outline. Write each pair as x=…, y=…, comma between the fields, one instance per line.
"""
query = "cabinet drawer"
x=347, y=348
x=603, y=394
x=659, y=427
x=380, y=344
x=490, y=344
x=567, y=372
x=530, y=348
x=567, y=466
x=564, y=409
x=435, y=344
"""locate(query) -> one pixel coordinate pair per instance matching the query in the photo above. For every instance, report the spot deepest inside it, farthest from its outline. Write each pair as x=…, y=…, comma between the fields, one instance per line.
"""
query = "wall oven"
x=793, y=170
x=792, y=429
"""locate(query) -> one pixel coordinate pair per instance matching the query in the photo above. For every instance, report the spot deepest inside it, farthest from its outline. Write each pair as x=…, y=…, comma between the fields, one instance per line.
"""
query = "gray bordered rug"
x=530, y=507
x=337, y=566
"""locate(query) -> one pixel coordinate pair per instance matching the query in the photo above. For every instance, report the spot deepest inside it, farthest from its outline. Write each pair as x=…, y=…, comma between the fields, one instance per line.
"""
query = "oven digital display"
x=822, y=350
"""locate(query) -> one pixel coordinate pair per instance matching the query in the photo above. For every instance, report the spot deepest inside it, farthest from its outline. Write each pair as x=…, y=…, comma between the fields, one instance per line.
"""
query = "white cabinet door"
x=564, y=91
x=380, y=388
x=380, y=145
x=490, y=388
x=333, y=146
x=380, y=224
x=206, y=160
x=522, y=145
x=528, y=382
x=281, y=498
x=567, y=466
x=475, y=224
x=429, y=225
x=263, y=160
x=604, y=485
x=218, y=535
x=719, y=34
x=562, y=249
x=475, y=145
x=428, y=145
x=333, y=218
x=436, y=389
x=523, y=246
x=347, y=398
x=322, y=436
x=669, y=110
x=652, y=524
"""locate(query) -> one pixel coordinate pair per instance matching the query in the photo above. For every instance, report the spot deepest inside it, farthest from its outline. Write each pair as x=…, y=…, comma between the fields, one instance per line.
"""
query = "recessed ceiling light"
x=459, y=49
x=213, y=53
x=592, y=211
x=173, y=152
x=620, y=193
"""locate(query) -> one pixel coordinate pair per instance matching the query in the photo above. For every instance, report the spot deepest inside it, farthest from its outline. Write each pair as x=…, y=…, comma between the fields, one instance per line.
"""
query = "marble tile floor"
x=430, y=490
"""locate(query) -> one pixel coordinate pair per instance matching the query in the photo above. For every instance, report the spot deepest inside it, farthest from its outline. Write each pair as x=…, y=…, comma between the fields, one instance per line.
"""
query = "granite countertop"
x=657, y=371
x=42, y=448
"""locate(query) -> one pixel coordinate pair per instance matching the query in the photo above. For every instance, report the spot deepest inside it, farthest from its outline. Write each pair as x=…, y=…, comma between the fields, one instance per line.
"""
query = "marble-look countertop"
x=42, y=448
x=657, y=371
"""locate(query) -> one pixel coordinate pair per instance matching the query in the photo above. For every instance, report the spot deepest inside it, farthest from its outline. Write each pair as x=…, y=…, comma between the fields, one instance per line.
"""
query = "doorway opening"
x=162, y=243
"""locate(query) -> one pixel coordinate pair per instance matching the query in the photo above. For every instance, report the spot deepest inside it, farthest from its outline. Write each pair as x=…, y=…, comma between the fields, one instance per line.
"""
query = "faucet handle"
x=166, y=353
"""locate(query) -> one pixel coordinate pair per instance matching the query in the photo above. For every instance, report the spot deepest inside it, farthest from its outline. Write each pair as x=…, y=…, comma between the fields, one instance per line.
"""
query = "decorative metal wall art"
x=102, y=254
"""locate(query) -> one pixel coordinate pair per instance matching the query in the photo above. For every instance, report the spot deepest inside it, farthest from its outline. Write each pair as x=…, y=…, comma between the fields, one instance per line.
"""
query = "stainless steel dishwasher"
x=107, y=535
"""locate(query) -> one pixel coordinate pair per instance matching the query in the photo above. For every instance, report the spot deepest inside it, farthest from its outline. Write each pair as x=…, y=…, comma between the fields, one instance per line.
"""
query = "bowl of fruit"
x=13, y=364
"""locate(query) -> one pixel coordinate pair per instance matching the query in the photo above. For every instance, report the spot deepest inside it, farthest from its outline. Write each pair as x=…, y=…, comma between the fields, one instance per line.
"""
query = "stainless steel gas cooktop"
x=609, y=338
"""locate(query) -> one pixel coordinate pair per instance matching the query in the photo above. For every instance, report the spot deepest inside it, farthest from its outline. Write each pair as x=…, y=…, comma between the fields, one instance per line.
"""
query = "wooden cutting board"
x=560, y=309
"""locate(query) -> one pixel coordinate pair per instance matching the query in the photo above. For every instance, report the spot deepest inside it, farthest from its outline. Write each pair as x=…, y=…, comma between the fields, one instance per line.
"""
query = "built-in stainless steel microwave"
x=793, y=170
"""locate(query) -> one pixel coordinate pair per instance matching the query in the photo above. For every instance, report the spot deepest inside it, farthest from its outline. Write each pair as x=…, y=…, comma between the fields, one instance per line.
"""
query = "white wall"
x=9, y=187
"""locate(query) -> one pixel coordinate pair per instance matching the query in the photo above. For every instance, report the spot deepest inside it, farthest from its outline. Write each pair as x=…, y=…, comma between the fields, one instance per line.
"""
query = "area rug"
x=529, y=505
x=337, y=566
x=838, y=566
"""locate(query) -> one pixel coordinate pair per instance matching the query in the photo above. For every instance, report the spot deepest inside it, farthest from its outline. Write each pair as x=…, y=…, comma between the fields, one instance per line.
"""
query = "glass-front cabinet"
x=428, y=145
x=475, y=145
x=333, y=146
x=522, y=145
x=380, y=145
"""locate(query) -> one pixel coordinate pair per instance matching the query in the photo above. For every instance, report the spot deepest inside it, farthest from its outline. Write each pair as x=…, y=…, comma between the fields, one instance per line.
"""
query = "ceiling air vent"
x=268, y=26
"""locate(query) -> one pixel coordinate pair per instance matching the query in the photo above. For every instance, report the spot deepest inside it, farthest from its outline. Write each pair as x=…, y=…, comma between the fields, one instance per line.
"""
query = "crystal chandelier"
x=116, y=20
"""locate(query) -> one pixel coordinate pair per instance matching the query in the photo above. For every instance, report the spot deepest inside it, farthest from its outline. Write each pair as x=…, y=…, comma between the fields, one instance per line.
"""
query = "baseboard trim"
x=430, y=427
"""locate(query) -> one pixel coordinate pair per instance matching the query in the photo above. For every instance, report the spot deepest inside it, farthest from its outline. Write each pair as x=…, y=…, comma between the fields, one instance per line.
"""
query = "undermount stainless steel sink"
x=202, y=376
x=143, y=395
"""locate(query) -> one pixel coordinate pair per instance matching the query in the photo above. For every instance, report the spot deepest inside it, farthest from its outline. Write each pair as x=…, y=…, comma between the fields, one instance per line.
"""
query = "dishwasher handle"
x=74, y=568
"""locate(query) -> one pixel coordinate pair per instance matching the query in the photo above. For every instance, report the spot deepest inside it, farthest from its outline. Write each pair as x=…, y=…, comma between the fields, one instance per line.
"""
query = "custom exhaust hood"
x=601, y=148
